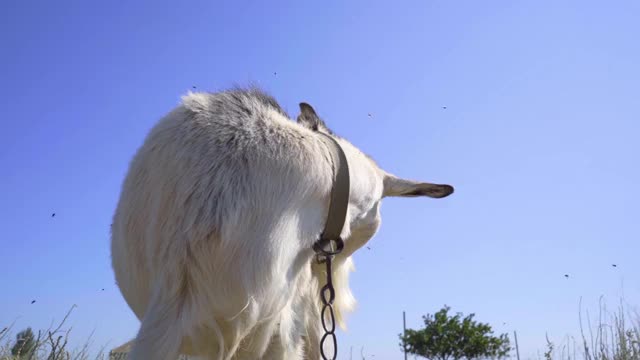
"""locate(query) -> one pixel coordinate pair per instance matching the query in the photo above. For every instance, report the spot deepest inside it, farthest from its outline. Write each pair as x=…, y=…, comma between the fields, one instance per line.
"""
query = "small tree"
x=25, y=344
x=454, y=337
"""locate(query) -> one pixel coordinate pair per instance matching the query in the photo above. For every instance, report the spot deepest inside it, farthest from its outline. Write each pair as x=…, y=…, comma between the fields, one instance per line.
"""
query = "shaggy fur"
x=212, y=234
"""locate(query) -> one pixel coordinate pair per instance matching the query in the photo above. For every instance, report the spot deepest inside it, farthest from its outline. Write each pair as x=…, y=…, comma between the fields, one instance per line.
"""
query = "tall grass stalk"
x=50, y=344
x=615, y=336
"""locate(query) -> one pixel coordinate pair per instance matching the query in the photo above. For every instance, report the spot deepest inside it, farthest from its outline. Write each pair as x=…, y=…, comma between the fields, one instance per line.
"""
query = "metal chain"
x=328, y=294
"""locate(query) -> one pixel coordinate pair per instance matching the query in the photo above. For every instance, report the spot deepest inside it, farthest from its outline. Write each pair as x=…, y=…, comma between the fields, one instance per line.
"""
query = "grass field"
x=611, y=335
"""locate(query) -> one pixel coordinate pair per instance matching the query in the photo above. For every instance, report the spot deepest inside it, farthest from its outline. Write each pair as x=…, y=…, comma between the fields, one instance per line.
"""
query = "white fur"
x=211, y=238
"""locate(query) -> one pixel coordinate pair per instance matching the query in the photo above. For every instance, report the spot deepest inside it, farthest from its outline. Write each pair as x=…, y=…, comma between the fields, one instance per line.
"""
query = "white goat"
x=212, y=236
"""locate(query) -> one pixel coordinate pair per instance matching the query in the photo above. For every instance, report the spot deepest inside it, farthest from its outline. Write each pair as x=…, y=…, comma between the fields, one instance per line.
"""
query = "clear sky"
x=540, y=137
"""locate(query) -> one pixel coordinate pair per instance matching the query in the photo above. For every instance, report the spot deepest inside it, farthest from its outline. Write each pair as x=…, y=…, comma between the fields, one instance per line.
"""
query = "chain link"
x=328, y=295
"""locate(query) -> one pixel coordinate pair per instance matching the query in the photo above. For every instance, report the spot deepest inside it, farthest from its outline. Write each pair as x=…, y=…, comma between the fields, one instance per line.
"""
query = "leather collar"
x=337, y=214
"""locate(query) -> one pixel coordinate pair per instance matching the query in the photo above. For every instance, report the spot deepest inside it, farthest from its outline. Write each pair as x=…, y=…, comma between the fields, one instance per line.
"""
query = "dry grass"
x=50, y=344
x=615, y=336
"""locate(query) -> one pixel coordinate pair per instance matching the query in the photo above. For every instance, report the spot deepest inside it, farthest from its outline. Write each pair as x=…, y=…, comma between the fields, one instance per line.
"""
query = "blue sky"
x=539, y=137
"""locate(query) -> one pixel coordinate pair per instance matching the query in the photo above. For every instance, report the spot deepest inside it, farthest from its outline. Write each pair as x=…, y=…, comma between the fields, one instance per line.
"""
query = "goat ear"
x=394, y=186
x=308, y=117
